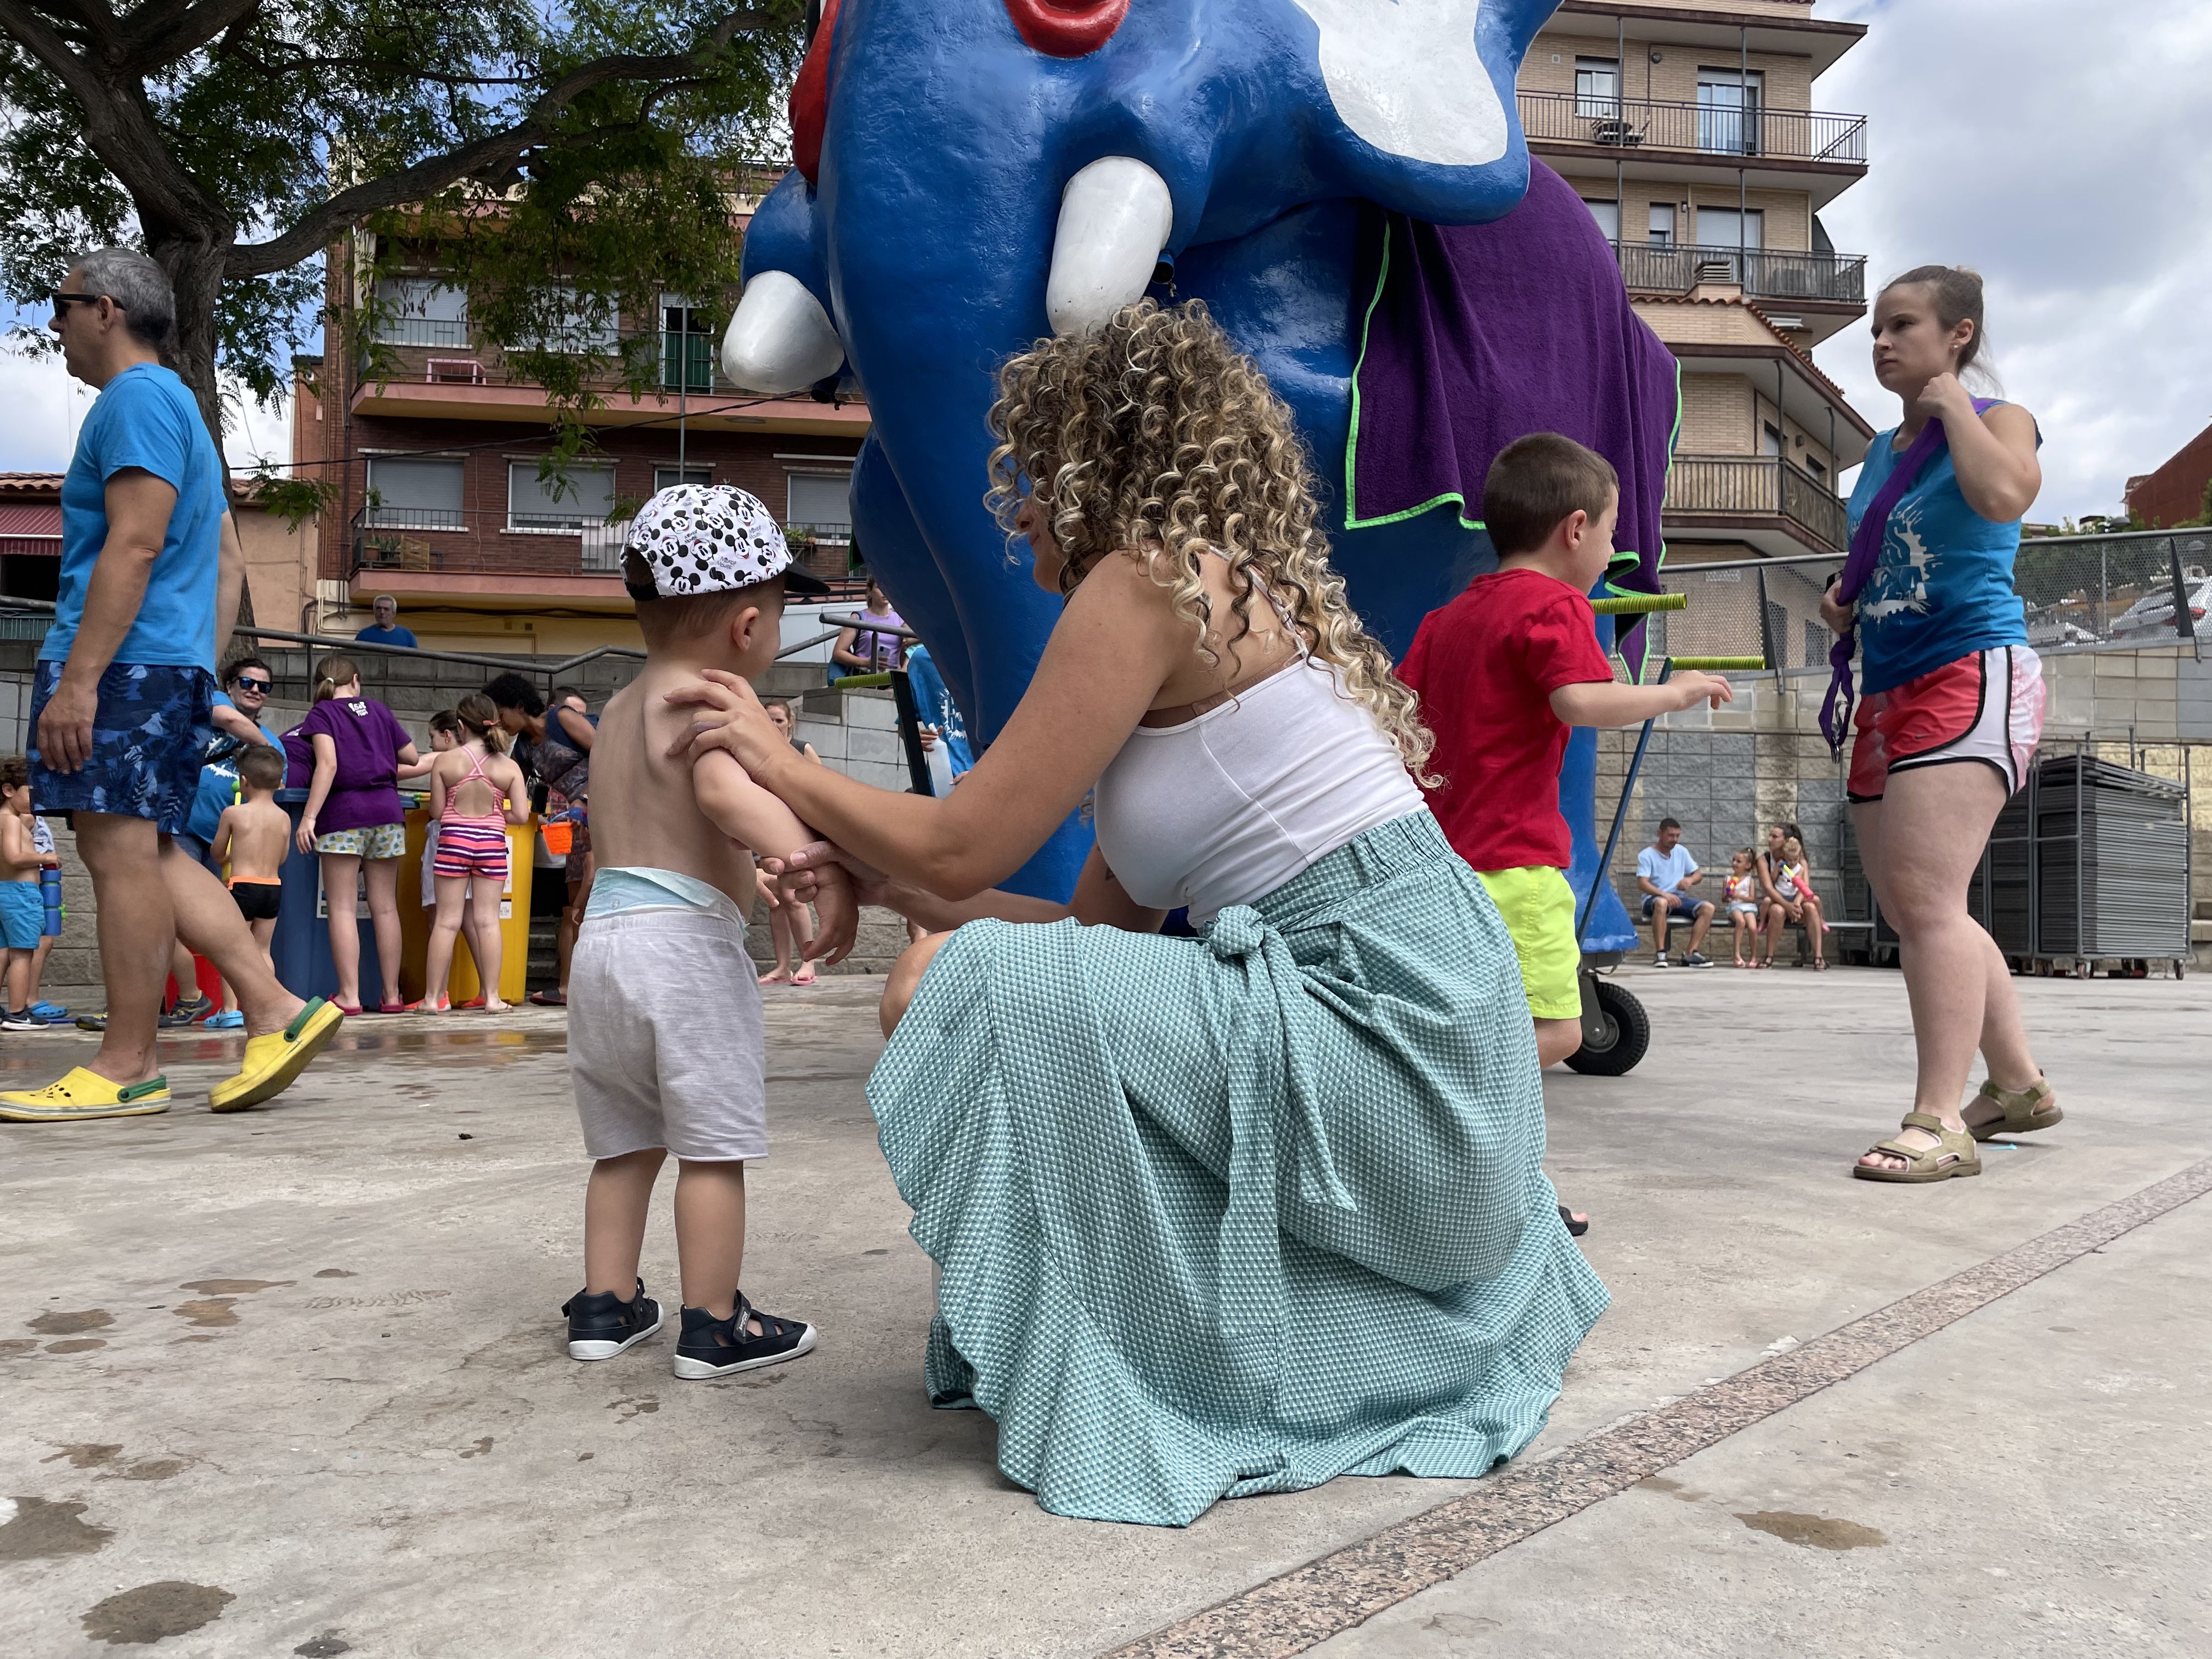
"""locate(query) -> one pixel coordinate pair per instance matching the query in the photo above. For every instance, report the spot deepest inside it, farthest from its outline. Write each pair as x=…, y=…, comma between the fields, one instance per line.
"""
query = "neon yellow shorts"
x=1539, y=908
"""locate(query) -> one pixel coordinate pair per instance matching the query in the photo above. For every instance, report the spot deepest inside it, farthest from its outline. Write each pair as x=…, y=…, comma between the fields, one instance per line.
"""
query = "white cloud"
x=41, y=408
x=2057, y=147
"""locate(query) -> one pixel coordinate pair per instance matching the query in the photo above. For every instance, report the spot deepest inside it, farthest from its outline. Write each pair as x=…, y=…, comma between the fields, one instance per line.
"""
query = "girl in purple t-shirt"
x=354, y=814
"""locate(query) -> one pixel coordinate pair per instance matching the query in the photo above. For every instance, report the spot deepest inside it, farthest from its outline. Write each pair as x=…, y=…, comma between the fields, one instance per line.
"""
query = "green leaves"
x=567, y=164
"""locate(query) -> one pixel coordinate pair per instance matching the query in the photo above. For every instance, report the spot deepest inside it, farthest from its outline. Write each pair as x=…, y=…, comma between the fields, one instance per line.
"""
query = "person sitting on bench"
x=1665, y=872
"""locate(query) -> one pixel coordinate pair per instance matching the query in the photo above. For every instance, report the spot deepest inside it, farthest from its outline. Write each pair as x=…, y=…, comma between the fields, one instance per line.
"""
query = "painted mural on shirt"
x=1899, y=584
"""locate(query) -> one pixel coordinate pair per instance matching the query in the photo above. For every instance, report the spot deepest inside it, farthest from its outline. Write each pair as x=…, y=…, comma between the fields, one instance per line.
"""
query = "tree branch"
x=315, y=230
x=158, y=32
x=121, y=131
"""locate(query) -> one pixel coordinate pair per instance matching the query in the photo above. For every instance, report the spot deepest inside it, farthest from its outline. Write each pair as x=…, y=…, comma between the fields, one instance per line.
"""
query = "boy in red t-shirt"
x=1502, y=672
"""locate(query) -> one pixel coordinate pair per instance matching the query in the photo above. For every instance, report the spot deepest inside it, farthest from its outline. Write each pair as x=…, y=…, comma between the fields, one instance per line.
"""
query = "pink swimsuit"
x=471, y=846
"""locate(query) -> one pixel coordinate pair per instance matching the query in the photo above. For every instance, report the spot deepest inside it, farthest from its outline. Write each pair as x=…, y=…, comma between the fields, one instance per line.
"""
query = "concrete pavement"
x=291, y=1382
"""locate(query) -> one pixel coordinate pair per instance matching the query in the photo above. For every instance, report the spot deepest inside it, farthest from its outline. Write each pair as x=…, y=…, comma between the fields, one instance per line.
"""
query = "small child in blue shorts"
x=23, y=907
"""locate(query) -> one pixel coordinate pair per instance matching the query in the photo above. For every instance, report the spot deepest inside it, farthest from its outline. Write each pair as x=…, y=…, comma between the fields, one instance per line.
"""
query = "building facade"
x=435, y=453
x=1690, y=130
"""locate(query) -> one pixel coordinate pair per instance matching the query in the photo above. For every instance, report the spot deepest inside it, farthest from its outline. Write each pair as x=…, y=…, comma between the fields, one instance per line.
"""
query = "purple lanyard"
x=1859, y=568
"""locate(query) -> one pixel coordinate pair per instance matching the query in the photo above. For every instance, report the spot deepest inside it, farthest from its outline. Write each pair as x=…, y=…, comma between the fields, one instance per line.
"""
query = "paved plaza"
x=293, y=1382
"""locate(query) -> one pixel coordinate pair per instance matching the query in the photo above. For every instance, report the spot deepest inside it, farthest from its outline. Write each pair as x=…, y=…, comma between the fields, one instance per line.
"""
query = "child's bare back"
x=260, y=835
x=645, y=805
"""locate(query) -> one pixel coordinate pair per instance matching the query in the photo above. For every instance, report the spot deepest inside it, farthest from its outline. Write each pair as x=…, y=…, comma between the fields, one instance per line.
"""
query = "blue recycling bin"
x=302, y=943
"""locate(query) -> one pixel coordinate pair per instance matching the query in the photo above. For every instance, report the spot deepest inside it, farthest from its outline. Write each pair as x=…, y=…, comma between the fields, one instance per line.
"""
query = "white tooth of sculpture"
x=1404, y=75
x=1114, y=217
x=780, y=339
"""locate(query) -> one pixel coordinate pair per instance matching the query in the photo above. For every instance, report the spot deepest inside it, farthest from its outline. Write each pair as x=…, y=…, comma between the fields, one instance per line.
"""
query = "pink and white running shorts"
x=1987, y=707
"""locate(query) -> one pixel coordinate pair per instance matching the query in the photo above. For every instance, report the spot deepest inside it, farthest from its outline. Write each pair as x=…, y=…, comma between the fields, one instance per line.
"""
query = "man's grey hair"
x=135, y=283
x=384, y=599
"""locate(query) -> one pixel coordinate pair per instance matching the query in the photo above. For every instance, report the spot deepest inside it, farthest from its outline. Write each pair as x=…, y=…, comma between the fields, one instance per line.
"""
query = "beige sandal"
x=1955, y=1154
x=2025, y=1110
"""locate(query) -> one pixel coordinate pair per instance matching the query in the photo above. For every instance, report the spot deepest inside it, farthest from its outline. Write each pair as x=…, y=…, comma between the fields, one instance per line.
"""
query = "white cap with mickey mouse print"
x=708, y=538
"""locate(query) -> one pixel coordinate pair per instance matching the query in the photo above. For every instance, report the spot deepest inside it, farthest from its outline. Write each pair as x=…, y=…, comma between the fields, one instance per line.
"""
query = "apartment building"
x=435, y=451
x=1690, y=130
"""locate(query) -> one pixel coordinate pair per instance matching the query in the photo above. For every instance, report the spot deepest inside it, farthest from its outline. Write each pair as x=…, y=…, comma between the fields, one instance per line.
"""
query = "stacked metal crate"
x=2112, y=861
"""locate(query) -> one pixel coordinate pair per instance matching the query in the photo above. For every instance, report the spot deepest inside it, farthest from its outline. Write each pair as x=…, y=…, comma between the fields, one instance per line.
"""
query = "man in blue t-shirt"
x=1665, y=874
x=385, y=629
x=120, y=707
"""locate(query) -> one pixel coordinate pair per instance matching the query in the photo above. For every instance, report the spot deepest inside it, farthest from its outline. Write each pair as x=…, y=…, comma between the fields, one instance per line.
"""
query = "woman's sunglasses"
x=253, y=685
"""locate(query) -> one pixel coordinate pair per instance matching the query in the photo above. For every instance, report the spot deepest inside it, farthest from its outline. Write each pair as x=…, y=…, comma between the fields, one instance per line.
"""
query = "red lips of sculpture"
x=809, y=96
x=1067, y=28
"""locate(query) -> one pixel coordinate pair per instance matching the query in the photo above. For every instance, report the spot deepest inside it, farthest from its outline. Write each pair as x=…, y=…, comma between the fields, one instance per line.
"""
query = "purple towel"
x=1476, y=335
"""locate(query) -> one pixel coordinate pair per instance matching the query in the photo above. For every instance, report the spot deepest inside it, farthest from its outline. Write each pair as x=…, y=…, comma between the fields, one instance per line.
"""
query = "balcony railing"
x=1696, y=129
x=669, y=361
x=1756, y=485
x=453, y=541
x=1676, y=268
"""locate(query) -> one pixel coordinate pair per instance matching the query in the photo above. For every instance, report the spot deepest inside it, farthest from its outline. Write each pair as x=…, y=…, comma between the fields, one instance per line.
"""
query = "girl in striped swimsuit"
x=480, y=792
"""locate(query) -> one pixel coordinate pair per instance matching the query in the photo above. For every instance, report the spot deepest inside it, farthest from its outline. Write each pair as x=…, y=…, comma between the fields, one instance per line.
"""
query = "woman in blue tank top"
x=1953, y=710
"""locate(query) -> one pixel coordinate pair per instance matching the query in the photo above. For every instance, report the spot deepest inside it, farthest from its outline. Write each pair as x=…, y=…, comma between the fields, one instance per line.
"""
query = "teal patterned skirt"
x=1240, y=1214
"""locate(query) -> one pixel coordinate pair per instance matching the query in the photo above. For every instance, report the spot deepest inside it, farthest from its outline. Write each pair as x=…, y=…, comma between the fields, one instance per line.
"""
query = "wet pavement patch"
x=36, y=1529
x=215, y=1310
x=15, y=1344
x=236, y=1286
x=86, y=1456
x=328, y=1645
x=68, y=1324
x=153, y=1612
x=76, y=1345
x=336, y=1273
x=1816, y=1532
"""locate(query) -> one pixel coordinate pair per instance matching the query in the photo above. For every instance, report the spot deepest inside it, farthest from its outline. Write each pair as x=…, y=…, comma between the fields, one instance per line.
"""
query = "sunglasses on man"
x=60, y=299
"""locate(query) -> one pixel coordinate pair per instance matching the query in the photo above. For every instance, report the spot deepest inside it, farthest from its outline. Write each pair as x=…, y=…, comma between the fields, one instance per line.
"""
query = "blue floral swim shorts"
x=152, y=726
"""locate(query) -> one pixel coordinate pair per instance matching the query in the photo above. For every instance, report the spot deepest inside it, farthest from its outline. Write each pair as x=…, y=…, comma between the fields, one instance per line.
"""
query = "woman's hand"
x=1945, y=399
x=1839, y=617
x=305, y=839
x=726, y=714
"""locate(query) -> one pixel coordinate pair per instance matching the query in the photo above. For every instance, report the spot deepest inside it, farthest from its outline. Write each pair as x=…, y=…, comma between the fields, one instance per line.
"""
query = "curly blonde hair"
x=1153, y=436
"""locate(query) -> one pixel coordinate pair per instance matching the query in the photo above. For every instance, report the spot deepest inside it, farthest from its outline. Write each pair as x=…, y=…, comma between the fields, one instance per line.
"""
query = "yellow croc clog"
x=83, y=1094
x=272, y=1061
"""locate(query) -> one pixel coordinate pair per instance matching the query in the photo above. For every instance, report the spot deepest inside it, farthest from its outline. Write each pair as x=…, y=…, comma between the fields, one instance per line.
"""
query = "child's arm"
x=1608, y=702
x=751, y=816
x=17, y=850
x=226, y=831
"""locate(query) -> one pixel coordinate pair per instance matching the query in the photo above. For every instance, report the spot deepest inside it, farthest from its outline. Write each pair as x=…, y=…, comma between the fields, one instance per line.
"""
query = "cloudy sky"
x=2055, y=145
x=2058, y=146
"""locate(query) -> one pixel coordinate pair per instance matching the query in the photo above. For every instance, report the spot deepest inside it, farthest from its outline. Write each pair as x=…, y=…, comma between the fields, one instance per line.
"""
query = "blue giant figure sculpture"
x=972, y=174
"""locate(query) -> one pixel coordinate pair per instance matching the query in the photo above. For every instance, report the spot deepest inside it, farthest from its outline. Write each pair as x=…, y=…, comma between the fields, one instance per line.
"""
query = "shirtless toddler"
x=252, y=836
x=663, y=1018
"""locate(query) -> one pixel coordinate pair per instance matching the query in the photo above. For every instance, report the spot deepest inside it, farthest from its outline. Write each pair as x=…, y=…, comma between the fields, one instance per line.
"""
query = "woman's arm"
x=1116, y=644
x=1766, y=878
x=1993, y=453
x=319, y=787
x=842, y=653
x=578, y=730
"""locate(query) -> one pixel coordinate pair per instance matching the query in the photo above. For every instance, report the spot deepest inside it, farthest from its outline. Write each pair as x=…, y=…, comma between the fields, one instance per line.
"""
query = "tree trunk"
x=194, y=268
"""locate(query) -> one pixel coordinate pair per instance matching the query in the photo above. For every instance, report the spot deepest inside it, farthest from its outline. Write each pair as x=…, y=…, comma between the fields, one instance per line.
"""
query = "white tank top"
x=1225, y=809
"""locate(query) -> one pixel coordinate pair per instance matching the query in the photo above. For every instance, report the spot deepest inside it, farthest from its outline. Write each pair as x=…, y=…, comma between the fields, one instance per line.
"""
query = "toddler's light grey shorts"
x=665, y=1035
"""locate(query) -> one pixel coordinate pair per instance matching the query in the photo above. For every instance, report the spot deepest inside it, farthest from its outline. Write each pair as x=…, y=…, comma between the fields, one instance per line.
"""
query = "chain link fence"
x=2136, y=588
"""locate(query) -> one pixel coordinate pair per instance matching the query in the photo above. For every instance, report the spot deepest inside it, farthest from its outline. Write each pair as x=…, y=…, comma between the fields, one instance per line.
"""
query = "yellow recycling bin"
x=415, y=917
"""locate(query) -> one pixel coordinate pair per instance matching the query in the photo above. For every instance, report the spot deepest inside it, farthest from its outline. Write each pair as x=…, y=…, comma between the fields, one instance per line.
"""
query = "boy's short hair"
x=261, y=766
x=689, y=615
x=15, y=773
x=1537, y=481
